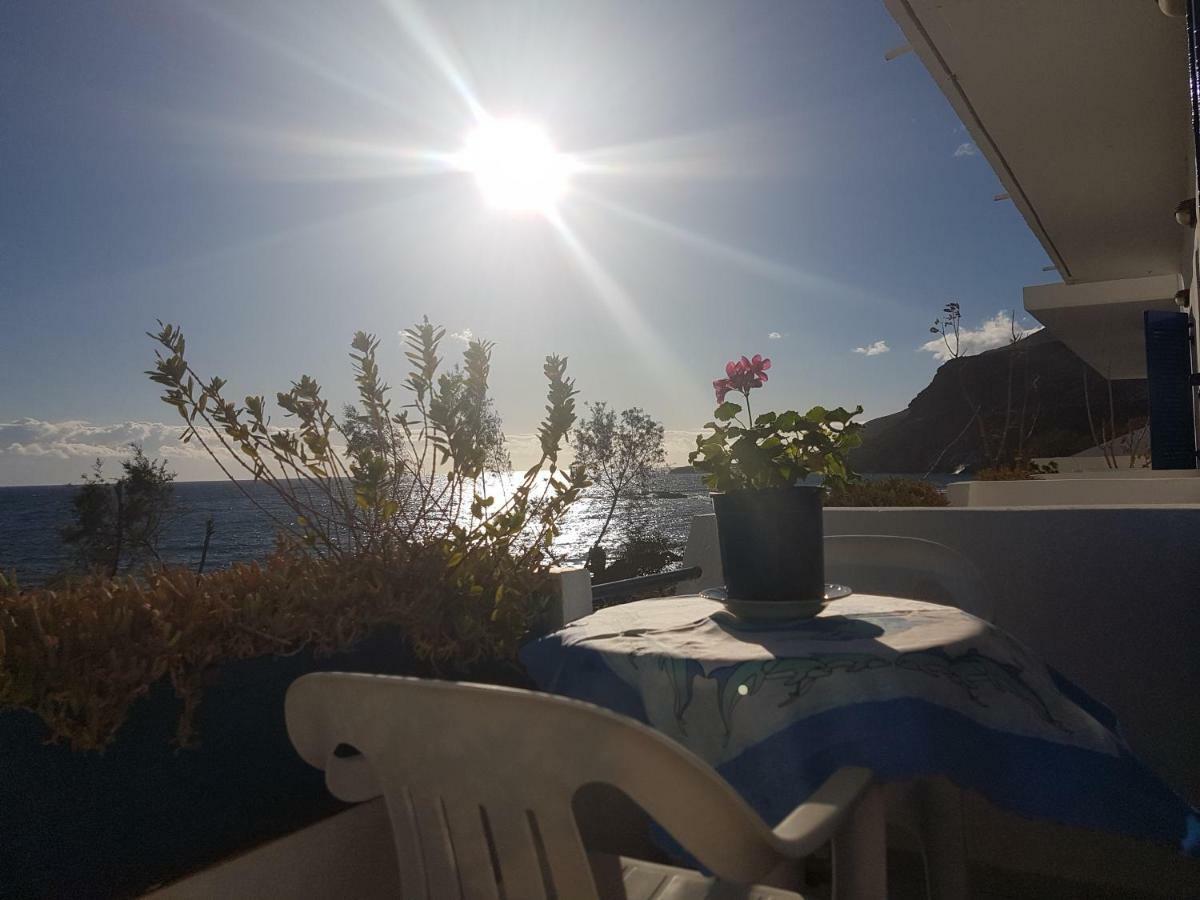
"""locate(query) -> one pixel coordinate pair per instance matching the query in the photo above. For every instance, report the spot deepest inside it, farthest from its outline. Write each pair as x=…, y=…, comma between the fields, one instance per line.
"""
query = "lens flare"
x=516, y=165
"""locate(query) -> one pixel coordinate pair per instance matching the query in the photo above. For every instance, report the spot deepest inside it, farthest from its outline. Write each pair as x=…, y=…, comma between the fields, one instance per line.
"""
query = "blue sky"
x=254, y=172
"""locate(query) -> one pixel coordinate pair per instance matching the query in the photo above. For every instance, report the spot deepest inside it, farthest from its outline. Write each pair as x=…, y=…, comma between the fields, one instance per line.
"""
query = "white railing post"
x=702, y=550
x=572, y=595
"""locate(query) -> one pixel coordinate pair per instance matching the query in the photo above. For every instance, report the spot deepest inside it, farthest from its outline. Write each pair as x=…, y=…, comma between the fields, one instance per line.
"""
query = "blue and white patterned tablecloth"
x=902, y=687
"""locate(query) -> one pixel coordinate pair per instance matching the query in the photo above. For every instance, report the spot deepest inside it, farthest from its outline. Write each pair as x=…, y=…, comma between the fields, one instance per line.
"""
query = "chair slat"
x=436, y=852
x=408, y=844
x=520, y=870
x=565, y=853
x=470, y=845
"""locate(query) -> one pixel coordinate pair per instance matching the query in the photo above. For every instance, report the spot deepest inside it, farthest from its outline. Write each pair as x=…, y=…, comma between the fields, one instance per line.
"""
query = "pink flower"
x=742, y=375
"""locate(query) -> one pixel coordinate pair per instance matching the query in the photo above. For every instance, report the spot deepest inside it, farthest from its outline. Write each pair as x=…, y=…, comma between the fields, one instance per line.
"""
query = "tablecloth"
x=902, y=687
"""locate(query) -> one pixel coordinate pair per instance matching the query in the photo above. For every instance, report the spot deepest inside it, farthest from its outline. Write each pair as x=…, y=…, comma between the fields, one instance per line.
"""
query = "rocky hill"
x=1026, y=397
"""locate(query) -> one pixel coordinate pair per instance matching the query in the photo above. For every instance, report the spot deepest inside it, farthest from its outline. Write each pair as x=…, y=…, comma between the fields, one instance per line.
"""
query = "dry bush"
x=885, y=492
x=79, y=655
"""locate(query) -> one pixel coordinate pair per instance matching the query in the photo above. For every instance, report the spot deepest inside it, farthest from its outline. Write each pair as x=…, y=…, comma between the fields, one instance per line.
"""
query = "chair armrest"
x=816, y=820
x=350, y=778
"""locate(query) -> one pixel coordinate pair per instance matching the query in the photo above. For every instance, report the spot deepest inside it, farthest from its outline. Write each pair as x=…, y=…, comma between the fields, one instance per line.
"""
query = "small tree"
x=619, y=453
x=121, y=521
x=642, y=551
x=481, y=417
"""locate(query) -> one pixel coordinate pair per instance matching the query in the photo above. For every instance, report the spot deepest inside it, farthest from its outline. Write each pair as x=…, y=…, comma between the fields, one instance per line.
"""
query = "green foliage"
x=775, y=449
x=619, y=452
x=885, y=492
x=560, y=409
x=381, y=478
x=403, y=486
x=478, y=420
x=120, y=522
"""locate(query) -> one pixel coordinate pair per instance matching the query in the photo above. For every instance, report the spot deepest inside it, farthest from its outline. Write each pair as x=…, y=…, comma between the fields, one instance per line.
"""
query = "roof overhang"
x=1102, y=321
x=1082, y=110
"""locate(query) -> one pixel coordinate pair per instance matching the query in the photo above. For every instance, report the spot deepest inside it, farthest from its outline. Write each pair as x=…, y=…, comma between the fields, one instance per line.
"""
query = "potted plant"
x=768, y=519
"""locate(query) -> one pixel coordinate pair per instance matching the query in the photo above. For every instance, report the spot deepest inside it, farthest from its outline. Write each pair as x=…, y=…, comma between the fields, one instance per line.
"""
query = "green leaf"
x=788, y=421
x=726, y=411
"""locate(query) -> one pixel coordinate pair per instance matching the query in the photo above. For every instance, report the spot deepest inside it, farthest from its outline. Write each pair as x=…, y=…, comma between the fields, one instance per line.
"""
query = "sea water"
x=244, y=519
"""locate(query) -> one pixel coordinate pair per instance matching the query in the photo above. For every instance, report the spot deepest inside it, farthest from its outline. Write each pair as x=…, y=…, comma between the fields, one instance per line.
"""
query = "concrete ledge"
x=350, y=854
x=1105, y=474
x=1080, y=491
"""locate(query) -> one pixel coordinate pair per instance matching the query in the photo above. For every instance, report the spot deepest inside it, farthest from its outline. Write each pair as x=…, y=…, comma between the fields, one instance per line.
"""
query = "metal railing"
x=629, y=587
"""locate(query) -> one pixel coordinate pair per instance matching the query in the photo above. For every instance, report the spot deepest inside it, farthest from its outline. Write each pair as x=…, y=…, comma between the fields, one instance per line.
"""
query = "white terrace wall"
x=1110, y=596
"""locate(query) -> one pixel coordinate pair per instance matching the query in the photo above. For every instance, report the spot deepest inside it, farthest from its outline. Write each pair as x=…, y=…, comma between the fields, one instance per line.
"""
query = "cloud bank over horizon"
x=35, y=451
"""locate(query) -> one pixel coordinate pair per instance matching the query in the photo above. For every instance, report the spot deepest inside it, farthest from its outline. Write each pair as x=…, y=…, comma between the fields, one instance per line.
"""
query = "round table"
x=905, y=688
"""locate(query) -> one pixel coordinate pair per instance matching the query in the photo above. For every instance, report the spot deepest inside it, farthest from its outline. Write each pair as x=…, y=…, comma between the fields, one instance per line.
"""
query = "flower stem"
x=749, y=414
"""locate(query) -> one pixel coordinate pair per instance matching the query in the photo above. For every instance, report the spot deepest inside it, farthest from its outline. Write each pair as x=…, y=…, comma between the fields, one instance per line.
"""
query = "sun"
x=516, y=165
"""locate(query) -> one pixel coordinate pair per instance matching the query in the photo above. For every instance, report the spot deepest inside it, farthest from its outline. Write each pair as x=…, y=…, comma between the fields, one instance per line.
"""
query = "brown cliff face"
x=1030, y=397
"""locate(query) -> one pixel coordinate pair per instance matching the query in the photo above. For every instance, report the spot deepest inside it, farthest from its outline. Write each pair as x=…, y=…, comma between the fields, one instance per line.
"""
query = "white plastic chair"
x=906, y=567
x=479, y=782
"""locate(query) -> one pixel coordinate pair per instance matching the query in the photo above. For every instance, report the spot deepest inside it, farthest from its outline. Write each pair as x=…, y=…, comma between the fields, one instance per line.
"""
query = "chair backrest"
x=479, y=782
x=907, y=567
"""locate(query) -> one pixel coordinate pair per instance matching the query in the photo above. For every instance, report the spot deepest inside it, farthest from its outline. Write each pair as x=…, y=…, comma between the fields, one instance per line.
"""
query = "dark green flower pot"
x=771, y=543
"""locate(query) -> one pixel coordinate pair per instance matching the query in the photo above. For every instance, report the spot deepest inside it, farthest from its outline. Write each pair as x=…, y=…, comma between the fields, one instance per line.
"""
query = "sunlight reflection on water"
x=30, y=519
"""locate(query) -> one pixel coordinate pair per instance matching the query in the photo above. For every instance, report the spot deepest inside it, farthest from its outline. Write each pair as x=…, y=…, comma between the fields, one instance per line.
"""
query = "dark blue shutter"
x=1169, y=373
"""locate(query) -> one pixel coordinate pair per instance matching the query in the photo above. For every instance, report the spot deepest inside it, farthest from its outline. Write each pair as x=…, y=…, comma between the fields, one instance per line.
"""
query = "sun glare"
x=516, y=165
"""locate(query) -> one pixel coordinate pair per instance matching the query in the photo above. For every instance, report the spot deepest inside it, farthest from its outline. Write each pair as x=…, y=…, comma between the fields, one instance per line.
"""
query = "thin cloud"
x=966, y=149
x=874, y=349
x=466, y=335
x=774, y=336
x=994, y=332
x=33, y=451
